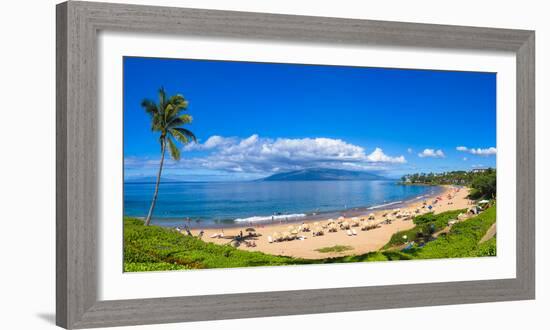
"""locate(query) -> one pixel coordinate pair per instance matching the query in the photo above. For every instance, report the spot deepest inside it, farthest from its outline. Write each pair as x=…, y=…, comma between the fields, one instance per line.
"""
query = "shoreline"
x=450, y=198
x=309, y=216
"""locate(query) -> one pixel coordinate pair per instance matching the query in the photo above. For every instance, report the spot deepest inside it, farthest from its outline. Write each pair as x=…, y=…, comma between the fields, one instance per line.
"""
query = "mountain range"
x=323, y=174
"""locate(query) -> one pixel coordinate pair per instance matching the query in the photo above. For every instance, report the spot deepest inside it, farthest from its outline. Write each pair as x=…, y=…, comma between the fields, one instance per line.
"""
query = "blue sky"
x=256, y=119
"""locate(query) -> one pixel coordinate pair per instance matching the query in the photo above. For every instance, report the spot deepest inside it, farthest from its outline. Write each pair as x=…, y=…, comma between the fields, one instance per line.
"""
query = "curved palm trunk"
x=148, y=220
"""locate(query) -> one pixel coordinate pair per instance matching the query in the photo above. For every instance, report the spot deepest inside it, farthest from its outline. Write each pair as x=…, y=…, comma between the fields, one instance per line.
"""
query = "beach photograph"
x=246, y=164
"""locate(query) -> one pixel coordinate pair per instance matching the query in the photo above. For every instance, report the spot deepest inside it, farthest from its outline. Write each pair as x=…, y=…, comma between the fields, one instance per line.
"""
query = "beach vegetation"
x=155, y=248
x=487, y=248
x=370, y=257
x=462, y=240
x=168, y=119
x=149, y=248
x=426, y=225
x=484, y=186
x=336, y=248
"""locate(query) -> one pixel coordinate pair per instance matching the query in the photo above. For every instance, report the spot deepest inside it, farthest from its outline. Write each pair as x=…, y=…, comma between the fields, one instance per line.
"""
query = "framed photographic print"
x=217, y=165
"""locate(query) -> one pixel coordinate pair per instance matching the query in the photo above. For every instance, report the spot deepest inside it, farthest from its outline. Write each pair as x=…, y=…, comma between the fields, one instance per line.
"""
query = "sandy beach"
x=364, y=241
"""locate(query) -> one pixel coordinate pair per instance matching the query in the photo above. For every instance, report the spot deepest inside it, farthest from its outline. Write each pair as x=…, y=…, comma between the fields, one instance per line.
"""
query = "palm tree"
x=168, y=119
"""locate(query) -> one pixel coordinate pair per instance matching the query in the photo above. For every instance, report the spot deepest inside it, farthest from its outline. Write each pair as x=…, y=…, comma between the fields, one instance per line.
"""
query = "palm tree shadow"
x=48, y=317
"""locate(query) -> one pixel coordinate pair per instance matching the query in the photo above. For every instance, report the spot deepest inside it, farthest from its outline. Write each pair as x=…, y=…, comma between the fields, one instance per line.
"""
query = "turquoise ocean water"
x=227, y=203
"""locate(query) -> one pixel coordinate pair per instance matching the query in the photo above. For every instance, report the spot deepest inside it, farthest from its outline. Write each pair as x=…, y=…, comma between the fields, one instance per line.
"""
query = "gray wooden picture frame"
x=78, y=24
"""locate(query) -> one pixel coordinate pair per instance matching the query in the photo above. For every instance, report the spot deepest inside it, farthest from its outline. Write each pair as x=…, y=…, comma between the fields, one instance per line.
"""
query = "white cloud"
x=409, y=150
x=255, y=154
x=478, y=151
x=378, y=156
x=432, y=153
x=484, y=152
x=215, y=141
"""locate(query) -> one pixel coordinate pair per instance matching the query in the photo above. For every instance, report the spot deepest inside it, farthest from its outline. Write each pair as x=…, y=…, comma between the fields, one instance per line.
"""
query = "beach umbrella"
x=371, y=216
x=250, y=229
x=369, y=225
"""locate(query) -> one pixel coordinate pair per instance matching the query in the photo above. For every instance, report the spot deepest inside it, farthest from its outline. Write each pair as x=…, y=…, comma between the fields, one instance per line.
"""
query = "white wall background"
x=27, y=182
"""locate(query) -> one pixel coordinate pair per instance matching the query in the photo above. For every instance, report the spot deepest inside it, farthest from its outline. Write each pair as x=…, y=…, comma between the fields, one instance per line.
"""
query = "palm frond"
x=149, y=106
x=162, y=99
x=168, y=112
x=174, y=151
x=179, y=121
x=183, y=135
x=157, y=122
x=179, y=101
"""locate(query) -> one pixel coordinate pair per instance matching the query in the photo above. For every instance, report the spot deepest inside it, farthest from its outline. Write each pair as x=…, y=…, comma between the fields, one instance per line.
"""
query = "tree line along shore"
x=482, y=181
